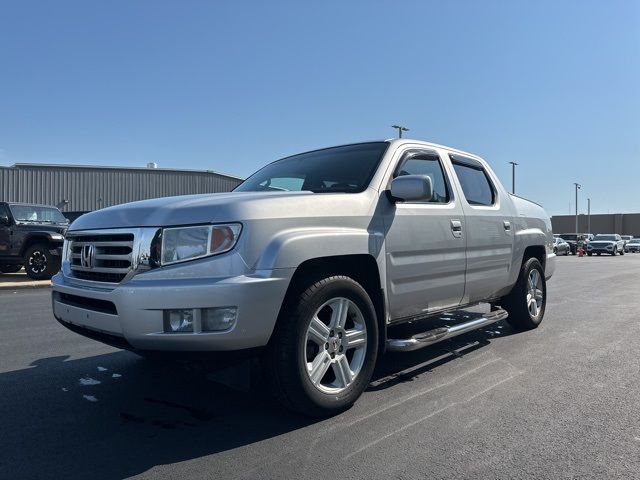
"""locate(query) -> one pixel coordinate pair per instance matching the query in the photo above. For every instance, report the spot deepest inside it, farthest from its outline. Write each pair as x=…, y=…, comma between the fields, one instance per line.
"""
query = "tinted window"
x=569, y=236
x=475, y=184
x=431, y=167
x=340, y=169
x=611, y=238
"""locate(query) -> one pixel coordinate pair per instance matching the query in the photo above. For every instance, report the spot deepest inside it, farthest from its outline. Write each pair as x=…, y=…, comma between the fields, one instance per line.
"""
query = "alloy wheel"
x=37, y=262
x=335, y=345
x=535, y=294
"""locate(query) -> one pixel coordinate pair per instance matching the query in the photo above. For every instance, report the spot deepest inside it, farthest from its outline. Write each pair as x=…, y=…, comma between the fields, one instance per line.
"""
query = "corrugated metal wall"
x=621, y=223
x=93, y=188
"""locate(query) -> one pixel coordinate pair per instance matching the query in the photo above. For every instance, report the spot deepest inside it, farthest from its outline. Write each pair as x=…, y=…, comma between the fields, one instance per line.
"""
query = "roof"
x=115, y=167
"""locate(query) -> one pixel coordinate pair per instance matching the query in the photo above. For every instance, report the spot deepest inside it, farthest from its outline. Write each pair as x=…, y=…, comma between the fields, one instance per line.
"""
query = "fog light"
x=177, y=321
x=218, y=319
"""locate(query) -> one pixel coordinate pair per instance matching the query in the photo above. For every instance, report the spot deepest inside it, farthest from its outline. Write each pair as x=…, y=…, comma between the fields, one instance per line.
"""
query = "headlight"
x=188, y=243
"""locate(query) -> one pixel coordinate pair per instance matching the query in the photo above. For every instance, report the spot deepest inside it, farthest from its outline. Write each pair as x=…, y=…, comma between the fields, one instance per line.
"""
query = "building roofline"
x=116, y=167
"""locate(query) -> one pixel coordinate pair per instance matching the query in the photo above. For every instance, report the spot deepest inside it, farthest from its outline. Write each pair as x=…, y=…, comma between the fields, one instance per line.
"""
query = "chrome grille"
x=100, y=257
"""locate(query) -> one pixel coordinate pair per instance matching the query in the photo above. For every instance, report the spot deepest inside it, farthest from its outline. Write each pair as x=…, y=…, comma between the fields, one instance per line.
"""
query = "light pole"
x=588, y=215
x=513, y=177
x=400, y=129
x=578, y=187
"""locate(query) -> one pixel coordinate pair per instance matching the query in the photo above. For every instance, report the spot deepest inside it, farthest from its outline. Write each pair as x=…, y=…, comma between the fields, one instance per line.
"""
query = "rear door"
x=424, y=243
x=489, y=229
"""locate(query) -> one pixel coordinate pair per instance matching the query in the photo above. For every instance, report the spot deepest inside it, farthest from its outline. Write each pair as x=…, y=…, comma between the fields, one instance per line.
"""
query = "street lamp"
x=588, y=215
x=513, y=177
x=400, y=129
x=578, y=187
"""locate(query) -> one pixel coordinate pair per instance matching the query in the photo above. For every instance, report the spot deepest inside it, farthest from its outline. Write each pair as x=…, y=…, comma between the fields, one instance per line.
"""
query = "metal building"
x=621, y=223
x=85, y=188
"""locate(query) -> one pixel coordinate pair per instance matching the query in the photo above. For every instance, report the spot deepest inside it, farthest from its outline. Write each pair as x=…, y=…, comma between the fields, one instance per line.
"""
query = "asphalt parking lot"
x=558, y=402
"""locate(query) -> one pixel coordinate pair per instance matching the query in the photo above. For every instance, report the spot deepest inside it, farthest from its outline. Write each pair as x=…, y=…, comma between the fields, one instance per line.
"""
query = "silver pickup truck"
x=311, y=263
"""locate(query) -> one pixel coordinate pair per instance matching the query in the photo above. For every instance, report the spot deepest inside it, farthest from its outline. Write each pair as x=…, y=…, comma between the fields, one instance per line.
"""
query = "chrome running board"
x=436, y=335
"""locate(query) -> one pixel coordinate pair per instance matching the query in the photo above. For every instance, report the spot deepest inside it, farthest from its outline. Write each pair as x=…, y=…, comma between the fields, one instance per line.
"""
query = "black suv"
x=31, y=236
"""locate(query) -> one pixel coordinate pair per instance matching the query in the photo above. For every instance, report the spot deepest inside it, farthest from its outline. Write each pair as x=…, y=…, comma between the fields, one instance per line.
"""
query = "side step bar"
x=436, y=335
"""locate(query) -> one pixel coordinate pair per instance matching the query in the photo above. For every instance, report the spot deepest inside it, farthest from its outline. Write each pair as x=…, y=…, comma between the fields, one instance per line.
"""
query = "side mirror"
x=412, y=188
x=4, y=219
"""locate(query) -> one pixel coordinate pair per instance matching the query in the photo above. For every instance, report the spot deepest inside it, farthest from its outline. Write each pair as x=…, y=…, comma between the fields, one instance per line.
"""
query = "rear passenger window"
x=475, y=183
x=430, y=166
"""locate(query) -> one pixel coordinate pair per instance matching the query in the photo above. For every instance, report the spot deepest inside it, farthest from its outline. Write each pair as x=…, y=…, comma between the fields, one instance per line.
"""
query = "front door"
x=425, y=243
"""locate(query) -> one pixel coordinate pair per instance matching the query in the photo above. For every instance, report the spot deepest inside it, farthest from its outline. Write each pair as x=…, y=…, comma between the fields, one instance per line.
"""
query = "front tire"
x=527, y=300
x=322, y=354
x=39, y=263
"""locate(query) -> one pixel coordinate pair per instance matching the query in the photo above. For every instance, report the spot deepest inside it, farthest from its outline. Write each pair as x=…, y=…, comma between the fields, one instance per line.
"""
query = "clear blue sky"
x=230, y=86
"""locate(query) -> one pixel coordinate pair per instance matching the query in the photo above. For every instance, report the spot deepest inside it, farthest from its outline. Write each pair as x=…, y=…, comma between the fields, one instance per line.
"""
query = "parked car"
x=574, y=240
x=560, y=247
x=606, y=243
x=31, y=236
x=626, y=239
x=311, y=262
x=633, y=245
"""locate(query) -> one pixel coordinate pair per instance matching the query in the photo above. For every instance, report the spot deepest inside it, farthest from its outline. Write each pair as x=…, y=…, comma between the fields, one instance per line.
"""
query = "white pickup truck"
x=311, y=263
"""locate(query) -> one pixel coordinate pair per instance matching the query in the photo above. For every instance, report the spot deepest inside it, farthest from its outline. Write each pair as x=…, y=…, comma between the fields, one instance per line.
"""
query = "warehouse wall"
x=87, y=188
x=621, y=223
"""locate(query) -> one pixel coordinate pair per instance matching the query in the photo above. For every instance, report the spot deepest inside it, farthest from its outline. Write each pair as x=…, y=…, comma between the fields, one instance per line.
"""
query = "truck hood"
x=191, y=209
x=42, y=227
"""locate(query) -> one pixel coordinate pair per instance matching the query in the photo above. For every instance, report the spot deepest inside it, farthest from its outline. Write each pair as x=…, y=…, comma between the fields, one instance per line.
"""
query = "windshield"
x=635, y=240
x=36, y=213
x=610, y=238
x=346, y=169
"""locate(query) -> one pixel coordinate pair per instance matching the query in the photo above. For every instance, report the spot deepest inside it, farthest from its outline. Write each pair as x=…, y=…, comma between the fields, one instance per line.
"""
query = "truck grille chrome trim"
x=104, y=257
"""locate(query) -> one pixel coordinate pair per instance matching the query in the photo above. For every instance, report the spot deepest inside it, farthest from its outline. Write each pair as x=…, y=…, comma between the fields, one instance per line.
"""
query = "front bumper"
x=601, y=248
x=131, y=314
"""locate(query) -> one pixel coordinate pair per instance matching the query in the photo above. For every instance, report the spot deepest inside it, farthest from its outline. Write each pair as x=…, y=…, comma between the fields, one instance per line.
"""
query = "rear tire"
x=324, y=348
x=10, y=268
x=39, y=263
x=527, y=300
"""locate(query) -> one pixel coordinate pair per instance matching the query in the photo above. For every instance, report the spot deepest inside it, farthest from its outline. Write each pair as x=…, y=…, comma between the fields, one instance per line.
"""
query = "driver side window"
x=430, y=166
x=4, y=211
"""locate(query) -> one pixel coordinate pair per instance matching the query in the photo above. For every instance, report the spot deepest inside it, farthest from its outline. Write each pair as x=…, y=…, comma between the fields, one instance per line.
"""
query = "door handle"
x=507, y=225
x=456, y=228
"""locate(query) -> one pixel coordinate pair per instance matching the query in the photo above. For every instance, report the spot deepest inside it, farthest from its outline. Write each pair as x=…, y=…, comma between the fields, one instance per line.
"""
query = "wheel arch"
x=535, y=251
x=363, y=268
x=32, y=240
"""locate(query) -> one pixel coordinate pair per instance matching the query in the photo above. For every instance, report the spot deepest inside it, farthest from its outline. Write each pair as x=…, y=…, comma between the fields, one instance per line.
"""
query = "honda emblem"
x=88, y=256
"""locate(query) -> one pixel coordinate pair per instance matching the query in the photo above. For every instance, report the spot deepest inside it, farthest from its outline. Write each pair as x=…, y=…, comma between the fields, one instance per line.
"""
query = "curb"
x=25, y=285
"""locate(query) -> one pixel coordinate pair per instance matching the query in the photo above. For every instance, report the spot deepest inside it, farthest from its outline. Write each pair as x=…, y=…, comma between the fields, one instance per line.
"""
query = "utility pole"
x=578, y=187
x=513, y=177
x=588, y=215
x=400, y=129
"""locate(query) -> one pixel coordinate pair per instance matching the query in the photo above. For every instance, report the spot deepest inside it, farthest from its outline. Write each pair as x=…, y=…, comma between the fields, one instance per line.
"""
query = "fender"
x=290, y=248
